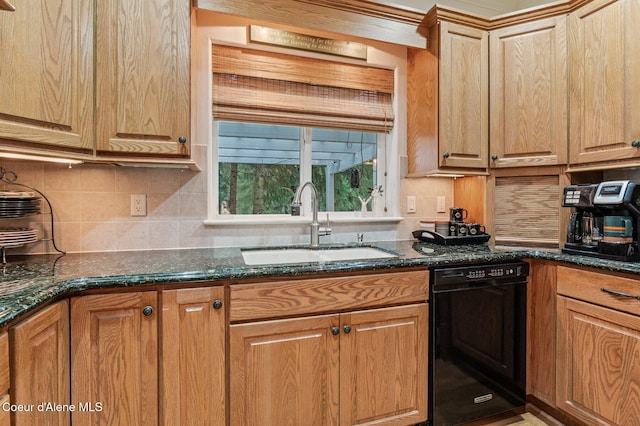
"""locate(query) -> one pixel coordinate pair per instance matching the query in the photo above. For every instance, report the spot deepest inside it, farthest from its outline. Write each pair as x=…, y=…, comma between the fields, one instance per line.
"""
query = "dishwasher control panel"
x=489, y=273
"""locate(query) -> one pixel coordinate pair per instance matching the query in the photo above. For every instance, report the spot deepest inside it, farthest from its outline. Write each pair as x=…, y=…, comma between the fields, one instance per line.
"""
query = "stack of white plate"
x=17, y=204
x=16, y=237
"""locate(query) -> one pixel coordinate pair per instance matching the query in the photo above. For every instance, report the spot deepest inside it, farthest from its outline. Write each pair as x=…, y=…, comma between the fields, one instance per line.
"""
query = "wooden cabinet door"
x=384, y=366
x=114, y=363
x=142, y=77
x=528, y=86
x=604, y=81
x=464, y=96
x=285, y=372
x=193, y=357
x=46, y=70
x=541, y=332
x=597, y=363
x=40, y=366
x=5, y=384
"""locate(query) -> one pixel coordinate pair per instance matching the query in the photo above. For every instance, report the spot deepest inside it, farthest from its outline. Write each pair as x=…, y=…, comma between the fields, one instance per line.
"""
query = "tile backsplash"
x=91, y=210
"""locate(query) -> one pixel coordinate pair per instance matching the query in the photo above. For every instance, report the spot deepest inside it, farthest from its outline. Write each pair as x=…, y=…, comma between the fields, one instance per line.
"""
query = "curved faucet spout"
x=315, y=225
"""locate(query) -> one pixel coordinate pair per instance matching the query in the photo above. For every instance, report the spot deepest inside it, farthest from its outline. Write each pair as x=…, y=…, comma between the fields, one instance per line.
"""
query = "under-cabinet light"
x=16, y=156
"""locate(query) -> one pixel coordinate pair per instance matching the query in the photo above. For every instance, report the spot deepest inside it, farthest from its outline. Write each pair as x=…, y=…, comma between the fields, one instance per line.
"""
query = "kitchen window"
x=260, y=166
x=281, y=120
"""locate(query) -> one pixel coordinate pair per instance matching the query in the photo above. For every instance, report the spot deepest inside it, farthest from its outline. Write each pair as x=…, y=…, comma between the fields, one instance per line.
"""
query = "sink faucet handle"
x=326, y=230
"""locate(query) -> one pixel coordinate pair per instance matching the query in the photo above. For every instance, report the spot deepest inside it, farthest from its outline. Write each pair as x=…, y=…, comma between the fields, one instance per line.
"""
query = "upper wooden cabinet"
x=447, y=100
x=64, y=63
x=604, y=82
x=528, y=98
x=46, y=70
x=142, y=77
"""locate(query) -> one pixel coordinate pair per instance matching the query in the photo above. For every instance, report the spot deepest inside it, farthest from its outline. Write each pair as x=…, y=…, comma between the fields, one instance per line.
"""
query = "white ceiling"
x=487, y=8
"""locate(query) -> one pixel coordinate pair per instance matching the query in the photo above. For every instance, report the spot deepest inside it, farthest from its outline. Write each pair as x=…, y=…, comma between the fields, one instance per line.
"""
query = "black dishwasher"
x=477, y=344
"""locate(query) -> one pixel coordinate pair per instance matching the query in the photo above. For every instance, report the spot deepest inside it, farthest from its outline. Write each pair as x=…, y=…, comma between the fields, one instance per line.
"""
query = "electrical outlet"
x=411, y=204
x=440, y=204
x=138, y=204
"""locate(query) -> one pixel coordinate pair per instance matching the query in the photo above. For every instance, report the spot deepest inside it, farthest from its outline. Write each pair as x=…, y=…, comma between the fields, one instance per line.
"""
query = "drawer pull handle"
x=618, y=294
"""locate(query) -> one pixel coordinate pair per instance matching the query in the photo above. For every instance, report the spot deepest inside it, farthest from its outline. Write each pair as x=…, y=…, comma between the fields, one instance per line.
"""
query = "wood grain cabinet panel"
x=114, y=361
x=604, y=82
x=448, y=100
x=357, y=361
x=142, y=77
x=46, y=69
x=5, y=381
x=40, y=369
x=193, y=357
x=528, y=72
x=598, y=347
x=598, y=369
x=541, y=332
x=5, y=416
x=384, y=366
x=285, y=372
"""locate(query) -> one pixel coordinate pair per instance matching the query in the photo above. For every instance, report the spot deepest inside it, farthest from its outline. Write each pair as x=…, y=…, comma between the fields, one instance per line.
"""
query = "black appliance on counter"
x=593, y=203
x=477, y=347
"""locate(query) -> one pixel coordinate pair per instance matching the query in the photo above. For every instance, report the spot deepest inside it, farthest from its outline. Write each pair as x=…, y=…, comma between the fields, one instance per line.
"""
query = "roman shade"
x=266, y=87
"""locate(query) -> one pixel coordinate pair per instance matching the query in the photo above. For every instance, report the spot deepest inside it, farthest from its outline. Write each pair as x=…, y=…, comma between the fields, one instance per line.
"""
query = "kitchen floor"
x=533, y=417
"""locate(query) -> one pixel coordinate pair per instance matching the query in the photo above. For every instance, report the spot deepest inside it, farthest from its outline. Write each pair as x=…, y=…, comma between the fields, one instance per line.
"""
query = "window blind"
x=267, y=87
x=527, y=209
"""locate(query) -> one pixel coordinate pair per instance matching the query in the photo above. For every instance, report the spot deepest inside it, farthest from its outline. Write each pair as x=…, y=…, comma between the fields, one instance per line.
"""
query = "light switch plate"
x=440, y=204
x=411, y=204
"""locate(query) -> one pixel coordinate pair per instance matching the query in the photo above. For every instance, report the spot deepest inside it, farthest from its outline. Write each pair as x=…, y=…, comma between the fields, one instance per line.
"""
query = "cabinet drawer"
x=597, y=288
x=300, y=297
x=4, y=363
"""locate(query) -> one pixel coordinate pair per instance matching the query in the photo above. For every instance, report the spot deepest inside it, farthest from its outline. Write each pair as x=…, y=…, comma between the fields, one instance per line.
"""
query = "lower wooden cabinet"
x=384, y=366
x=541, y=332
x=5, y=416
x=193, y=357
x=352, y=368
x=285, y=372
x=114, y=363
x=136, y=361
x=598, y=353
x=40, y=367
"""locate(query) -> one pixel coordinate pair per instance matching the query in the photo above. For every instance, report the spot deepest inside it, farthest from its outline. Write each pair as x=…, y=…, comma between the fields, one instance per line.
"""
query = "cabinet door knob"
x=636, y=143
x=335, y=330
x=217, y=304
x=446, y=155
x=494, y=157
x=347, y=329
x=147, y=311
x=182, y=139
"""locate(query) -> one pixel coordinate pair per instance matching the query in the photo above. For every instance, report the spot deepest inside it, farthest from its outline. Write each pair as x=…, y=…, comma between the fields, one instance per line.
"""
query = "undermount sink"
x=307, y=255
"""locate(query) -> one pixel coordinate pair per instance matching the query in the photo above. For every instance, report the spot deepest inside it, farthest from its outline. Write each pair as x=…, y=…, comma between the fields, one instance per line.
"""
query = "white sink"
x=304, y=255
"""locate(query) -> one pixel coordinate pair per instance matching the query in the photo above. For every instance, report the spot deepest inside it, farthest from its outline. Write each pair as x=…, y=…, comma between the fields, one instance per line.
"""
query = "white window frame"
x=387, y=176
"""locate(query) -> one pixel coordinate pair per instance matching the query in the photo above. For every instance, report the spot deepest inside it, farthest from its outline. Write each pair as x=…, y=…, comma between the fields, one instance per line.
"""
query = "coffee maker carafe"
x=583, y=230
x=605, y=220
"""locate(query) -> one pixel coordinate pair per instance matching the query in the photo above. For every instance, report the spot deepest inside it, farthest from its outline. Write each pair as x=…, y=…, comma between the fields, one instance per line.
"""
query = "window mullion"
x=305, y=166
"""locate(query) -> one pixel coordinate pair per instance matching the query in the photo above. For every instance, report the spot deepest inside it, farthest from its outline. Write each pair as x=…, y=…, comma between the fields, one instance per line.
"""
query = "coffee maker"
x=605, y=220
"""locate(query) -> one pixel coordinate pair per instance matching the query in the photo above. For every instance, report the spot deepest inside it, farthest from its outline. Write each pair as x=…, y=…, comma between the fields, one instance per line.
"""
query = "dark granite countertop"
x=30, y=281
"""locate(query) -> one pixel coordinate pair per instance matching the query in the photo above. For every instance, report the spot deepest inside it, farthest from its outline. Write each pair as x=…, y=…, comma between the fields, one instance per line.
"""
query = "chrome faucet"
x=316, y=229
